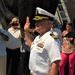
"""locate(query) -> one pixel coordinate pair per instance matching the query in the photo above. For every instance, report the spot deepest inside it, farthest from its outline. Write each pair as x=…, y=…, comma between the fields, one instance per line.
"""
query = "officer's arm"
x=54, y=68
x=28, y=38
x=27, y=33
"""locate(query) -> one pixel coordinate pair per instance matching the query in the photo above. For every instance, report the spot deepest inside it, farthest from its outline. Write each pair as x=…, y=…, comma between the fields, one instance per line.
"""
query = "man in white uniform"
x=45, y=50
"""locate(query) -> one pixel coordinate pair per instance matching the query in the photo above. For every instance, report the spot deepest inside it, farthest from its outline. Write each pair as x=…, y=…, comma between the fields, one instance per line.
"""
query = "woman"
x=67, y=51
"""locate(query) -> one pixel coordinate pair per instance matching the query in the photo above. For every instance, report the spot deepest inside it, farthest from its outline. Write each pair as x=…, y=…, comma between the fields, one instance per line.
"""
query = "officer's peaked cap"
x=42, y=14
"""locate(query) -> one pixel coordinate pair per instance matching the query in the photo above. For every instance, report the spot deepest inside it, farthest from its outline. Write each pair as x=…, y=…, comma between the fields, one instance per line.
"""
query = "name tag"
x=40, y=47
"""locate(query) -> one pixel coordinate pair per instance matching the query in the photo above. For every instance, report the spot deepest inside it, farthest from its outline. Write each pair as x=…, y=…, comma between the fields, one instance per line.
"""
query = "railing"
x=62, y=12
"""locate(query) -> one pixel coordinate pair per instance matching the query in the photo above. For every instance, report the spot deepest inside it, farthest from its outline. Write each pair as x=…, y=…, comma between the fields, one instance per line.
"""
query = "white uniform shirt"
x=44, y=51
x=14, y=39
x=2, y=44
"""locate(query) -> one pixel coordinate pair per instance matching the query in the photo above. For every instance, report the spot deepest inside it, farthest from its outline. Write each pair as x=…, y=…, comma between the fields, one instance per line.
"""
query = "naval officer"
x=45, y=49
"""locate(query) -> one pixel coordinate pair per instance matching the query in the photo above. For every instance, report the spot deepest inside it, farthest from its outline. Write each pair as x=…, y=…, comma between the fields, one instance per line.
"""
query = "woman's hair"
x=15, y=18
x=69, y=23
x=9, y=25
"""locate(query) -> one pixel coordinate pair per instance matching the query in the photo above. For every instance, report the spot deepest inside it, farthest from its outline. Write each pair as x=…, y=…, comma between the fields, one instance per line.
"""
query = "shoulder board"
x=54, y=36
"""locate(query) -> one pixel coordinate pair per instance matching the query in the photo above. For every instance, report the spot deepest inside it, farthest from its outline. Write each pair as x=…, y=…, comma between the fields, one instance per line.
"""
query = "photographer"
x=13, y=46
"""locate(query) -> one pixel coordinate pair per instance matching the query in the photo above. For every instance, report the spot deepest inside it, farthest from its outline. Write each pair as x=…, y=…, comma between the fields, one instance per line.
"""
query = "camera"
x=14, y=24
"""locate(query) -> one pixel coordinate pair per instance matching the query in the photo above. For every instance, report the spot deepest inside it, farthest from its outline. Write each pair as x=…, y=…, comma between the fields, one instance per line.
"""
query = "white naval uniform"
x=44, y=51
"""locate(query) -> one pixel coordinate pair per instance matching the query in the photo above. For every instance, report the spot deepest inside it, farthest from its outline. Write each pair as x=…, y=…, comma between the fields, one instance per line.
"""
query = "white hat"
x=42, y=14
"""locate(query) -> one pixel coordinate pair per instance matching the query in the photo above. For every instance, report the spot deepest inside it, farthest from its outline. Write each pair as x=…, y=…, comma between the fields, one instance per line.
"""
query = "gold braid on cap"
x=40, y=18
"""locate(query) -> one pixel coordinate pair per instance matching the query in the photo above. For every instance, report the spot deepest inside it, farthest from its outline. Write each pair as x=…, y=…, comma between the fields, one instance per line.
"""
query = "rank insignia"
x=54, y=36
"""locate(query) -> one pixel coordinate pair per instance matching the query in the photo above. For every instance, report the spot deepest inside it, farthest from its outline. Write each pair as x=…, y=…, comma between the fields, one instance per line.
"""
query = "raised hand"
x=27, y=24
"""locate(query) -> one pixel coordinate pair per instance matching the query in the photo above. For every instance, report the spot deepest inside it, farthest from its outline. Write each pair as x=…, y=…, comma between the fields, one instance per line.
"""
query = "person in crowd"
x=3, y=37
x=44, y=50
x=56, y=31
x=13, y=46
x=25, y=53
x=67, y=53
